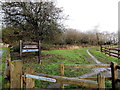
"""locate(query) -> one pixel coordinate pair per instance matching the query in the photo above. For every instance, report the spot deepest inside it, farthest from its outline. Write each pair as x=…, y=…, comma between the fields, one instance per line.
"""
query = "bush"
x=46, y=46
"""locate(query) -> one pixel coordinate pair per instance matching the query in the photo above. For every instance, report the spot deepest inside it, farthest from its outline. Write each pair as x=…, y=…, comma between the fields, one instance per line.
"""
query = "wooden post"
x=101, y=81
x=62, y=69
x=15, y=74
x=20, y=49
x=7, y=73
x=118, y=53
x=114, y=73
x=109, y=52
x=106, y=50
x=39, y=52
x=62, y=72
x=101, y=48
x=21, y=81
x=29, y=81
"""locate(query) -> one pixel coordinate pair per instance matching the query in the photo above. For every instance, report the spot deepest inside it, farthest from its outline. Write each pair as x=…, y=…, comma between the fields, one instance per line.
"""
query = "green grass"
x=51, y=62
x=73, y=56
x=2, y=67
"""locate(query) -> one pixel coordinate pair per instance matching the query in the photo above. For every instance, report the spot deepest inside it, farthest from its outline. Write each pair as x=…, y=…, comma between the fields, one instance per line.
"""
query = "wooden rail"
x=111, y=51
x=94, y=78
x=88, y=66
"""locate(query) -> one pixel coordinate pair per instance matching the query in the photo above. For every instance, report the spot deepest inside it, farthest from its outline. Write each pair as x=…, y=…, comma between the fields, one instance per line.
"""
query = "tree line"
x=69, y=36
x=91, y=37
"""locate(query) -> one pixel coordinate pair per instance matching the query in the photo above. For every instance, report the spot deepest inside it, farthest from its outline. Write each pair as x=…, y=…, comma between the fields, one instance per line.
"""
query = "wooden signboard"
x=31, y=47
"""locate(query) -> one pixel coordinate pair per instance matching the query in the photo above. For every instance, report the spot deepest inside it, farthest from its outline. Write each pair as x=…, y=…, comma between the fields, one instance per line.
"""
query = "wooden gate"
x=17, y=77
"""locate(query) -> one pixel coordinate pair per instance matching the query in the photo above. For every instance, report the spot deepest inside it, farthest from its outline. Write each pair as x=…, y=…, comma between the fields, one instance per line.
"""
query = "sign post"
x=20, y=49
x=31, y=47
x=39, y=52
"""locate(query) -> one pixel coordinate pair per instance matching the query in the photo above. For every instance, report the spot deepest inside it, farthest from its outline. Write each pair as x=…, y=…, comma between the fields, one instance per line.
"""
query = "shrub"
x=46, y=46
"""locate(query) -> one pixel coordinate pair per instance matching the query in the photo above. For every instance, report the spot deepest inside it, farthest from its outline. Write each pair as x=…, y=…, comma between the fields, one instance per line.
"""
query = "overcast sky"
x=85, y=14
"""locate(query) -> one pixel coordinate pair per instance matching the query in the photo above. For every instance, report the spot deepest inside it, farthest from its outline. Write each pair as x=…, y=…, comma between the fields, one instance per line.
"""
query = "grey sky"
x=85, y=14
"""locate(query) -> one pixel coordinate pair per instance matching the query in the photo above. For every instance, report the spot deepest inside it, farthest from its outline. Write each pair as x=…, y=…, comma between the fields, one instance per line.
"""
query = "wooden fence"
x=111, y=51
x=18, y=78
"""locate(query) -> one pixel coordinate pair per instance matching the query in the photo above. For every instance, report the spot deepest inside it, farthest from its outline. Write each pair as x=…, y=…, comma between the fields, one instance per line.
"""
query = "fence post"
x=105, y=50
x=118, y=53
x=101, y=81
x=62, y=72
x=29, y=81
x=101, y=48
x=114, y=73
x=39, y=53
x=15, y=74
x=109, y=52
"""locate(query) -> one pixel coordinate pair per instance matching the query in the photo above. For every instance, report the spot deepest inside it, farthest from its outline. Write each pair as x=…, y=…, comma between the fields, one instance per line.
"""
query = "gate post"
x=101, y=81
x=15, y=74
x=114, y=73
x=62, y=72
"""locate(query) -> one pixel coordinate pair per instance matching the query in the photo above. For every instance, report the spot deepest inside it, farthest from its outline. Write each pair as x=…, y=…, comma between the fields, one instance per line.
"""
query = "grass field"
x=51, y=62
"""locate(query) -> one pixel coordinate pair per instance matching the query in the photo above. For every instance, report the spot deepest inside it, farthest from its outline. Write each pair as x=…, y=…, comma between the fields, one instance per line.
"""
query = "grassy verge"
x=2, y=67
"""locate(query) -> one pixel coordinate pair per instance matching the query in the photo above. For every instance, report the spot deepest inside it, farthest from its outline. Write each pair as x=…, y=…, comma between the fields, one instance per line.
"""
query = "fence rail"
x=111, y=50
